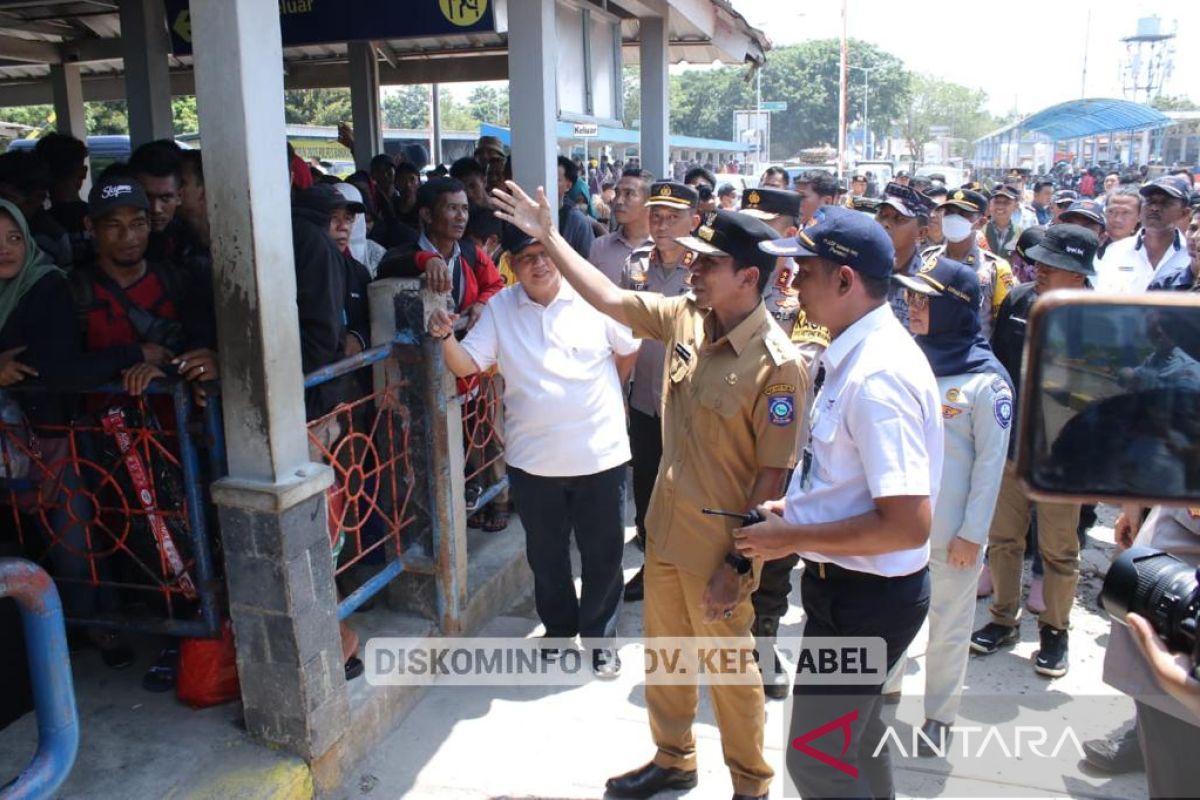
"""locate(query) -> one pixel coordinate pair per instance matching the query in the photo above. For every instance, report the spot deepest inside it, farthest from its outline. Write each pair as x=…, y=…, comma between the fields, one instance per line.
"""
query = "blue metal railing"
x=50, y=676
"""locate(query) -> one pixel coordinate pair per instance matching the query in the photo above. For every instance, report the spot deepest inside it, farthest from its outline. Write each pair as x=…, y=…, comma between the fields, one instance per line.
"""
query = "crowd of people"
x=845, y=365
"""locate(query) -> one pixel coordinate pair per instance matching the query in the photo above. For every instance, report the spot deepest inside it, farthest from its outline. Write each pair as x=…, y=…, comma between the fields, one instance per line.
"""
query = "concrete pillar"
x=145, y=44
x=532, y=48
x=656, y=113
x=67, y=87
x=364, y=103
x=435, y=124
x=272, y=504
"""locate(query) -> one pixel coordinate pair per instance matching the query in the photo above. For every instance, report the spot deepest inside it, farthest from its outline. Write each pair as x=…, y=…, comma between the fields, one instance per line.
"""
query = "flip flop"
x=161, y=675
x=354, y=667
x=495, y=520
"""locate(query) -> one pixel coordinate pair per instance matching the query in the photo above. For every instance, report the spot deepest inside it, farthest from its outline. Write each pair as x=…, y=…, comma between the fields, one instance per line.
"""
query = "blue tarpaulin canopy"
x=1091, y=116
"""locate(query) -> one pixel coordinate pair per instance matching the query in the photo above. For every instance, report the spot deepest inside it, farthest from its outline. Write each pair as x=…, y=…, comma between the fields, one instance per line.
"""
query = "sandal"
x=354, y=667
x=161, y=675
x=495, y=520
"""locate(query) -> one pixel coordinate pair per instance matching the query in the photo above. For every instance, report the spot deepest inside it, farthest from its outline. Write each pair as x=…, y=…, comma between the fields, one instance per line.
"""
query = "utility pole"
x=1087, y=39
x=842, y=70
x=866, y=71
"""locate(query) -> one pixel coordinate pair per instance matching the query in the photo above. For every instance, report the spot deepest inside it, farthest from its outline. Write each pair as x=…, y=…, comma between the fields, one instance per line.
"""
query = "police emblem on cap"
x=959, y=195
x=665, y=191
x=929, y=264
x=753, y=199
x=705, y=233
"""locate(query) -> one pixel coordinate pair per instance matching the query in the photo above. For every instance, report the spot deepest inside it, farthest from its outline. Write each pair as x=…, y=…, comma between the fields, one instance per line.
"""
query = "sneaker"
x=1117, y=755
x=992, y=637
x=1036, y=600
x=984, y=589
x=1051, y=658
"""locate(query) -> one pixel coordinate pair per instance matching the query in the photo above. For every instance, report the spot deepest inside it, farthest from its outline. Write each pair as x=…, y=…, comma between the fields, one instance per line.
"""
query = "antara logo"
x=842, y=723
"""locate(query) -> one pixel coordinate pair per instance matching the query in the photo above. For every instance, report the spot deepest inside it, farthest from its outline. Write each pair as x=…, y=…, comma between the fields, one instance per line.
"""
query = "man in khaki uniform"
x=733, y=391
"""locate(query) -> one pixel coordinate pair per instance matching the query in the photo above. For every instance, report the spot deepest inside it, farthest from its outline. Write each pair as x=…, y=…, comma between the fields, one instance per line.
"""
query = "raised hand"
x=517, y=208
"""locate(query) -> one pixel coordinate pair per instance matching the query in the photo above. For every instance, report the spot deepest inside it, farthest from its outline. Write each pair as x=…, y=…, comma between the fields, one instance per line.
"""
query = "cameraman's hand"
x=1171, y=670
x=1126, y=527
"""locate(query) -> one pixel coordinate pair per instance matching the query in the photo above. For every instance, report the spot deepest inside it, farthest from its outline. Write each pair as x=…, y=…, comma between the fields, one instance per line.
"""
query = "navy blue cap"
x=944, y=277
x=969, y=200
x=673, y=195
x=767, y=203
x=1176, y=186
x=116, y=191
x=906, y=200
x=1006, y=190
x=1064, y=197
x=1089, y=210
x=513, y=239
x=845, y=237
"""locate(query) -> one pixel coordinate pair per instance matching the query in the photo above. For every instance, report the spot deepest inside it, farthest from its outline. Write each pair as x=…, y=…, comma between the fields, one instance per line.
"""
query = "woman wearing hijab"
x=977, y=411
x=39, y=340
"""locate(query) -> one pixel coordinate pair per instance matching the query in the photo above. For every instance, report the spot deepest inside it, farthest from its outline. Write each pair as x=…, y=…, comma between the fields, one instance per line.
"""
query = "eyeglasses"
x=917, y=300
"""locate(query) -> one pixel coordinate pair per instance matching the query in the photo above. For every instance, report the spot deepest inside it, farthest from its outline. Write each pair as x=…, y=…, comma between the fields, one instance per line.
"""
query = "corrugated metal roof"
x=1078, y=118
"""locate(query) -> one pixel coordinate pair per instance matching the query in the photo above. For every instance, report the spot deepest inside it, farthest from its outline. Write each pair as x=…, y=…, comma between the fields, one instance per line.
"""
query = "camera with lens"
x=1164, y=590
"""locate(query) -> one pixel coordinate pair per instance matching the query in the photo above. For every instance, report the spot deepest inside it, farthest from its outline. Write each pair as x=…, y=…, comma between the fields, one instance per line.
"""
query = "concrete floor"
x=564, y=742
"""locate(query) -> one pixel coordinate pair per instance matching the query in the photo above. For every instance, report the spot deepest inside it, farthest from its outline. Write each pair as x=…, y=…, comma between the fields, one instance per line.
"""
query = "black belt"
x=827, y=570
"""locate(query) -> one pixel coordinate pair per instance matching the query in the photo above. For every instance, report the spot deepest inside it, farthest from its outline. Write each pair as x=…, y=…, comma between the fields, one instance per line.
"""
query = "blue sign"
x=306, y=22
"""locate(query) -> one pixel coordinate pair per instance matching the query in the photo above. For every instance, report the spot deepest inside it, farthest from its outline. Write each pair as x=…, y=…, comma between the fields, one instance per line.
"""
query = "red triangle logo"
x=843, y=723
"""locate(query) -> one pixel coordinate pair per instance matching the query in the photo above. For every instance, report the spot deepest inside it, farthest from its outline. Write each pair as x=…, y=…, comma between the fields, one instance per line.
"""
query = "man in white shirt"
x=1131, y=265
x=859, y=509
x=566, y=445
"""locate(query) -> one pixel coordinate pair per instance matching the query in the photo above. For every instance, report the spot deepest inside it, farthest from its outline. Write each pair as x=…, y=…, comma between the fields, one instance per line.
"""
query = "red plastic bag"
x=208, y=670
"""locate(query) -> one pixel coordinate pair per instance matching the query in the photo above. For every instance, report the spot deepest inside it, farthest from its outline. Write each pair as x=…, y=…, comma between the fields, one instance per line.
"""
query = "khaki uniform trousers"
x=1057, y=541
x=673, y=608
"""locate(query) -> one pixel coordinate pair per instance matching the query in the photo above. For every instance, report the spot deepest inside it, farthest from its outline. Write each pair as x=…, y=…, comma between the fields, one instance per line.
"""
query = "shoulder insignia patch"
x=780, y=350
x=811, y=333
x=1003, y=409
x=1000, y=386
x=689, y=258
x=950, y=412
x=781, y=409
x=780, y=388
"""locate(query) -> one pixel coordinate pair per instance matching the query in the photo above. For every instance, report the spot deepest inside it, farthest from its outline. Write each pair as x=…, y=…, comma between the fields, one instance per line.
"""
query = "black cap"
x=906, y=200
x=731, y=233
x=1028, y=238
x=968, y=200
x=513, y=240
x=767, y=203
x=845, y=237
x=1087, y=209
x=902, y=174
x=1006, y=190
x=113, y=192
x=944, y=277
x=726, y=190
x=937, y=177
x=1194, y=201
x=1176, y=186
x=324, y=198
x=867, y=205
x=1067, y=247
x=673, y=195
x=1064, y=197
x=858, y=175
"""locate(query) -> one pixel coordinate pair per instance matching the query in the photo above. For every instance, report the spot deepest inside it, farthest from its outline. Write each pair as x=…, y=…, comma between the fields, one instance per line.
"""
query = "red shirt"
x=107, y=323
x=479, y=284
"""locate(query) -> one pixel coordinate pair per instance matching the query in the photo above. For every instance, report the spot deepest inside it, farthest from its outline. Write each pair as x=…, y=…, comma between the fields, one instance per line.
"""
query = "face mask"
x=956, y=228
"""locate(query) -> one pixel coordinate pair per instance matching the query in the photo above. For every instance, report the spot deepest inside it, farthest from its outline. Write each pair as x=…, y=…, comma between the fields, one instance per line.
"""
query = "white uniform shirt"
x=563, y=410
x=1126, y=269
x=876, y=432
x=977, y=413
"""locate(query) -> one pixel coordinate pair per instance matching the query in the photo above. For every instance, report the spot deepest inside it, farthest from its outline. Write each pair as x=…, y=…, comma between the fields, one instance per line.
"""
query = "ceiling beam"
x=27, y=50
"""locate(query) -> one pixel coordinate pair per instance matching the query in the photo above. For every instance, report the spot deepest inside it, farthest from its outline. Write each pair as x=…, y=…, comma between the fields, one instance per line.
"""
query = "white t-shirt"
x=876, y=432
x=563, y=411
x=1126, y=268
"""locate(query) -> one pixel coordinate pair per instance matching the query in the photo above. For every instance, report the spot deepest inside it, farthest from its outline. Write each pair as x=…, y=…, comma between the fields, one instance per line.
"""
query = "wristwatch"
x=741, y=564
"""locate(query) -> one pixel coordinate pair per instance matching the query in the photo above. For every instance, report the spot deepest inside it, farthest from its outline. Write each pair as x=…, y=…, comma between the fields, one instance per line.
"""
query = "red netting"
x=366, y=442
x=103, y=504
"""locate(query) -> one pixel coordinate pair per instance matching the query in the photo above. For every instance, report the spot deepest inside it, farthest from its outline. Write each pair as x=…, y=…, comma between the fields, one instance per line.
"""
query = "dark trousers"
x=770, y=599
x=1169, y=749
x=593, y=507
x=852, y=604
x=645, y=445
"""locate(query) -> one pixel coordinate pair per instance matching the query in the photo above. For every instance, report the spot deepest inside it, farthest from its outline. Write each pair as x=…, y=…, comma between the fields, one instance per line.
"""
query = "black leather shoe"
x=938, y=734
x=1116, y=756
x=649, y=780
x=636, y=589
x=606, y=663
x=776, y=683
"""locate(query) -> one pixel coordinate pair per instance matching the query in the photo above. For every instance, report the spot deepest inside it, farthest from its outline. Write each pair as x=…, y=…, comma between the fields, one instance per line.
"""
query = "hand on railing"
x=437, y=275
x=441, y=323
x=138, y=377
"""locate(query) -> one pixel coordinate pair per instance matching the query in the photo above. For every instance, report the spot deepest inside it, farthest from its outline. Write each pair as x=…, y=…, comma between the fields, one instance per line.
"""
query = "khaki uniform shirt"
x=731, y=407
x=645, y=272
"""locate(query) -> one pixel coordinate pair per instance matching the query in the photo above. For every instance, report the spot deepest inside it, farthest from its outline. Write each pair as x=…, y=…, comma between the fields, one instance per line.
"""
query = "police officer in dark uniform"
x=780, y=209
x=963, y=214
x=662, y=267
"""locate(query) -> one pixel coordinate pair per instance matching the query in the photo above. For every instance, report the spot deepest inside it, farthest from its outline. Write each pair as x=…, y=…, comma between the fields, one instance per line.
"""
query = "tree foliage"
x=937, y=103
x=1180, y=102
x=406, y=107
x=316, y=106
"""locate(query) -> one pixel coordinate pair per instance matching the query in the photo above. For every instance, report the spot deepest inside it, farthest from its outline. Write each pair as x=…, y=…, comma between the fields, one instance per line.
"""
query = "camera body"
x=1163, y=589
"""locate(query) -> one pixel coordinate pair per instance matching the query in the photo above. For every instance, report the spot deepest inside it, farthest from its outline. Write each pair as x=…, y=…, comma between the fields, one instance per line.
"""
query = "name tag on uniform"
x=684, y=352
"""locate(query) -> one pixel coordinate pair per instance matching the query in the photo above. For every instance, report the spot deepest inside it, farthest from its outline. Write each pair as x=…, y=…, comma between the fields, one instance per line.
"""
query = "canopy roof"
x=1094, y=115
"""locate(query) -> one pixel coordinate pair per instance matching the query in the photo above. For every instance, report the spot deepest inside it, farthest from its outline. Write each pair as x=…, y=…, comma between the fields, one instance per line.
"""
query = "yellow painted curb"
x=291, y=780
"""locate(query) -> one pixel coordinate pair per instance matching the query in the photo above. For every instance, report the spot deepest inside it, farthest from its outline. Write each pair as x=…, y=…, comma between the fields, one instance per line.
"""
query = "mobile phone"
x=747, y=518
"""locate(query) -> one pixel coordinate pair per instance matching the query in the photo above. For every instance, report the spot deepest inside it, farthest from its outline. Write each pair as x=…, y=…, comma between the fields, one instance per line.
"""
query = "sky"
x=1026, y=54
